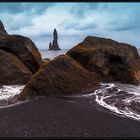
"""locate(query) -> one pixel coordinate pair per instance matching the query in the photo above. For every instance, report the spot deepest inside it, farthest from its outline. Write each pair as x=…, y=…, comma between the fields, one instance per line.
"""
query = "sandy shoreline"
x=55, y=117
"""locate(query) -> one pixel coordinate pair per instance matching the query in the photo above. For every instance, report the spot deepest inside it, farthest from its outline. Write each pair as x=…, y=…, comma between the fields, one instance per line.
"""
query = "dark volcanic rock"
x=2, y=29
x=19, y=58
x=12, y=70
x=24, y=49
x=61, y=76
x=54, y=45
x=109, y=60
x=46, y=60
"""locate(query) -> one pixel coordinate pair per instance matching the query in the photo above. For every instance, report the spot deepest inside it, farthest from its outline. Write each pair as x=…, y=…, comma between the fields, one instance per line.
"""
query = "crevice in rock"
x=115, y=59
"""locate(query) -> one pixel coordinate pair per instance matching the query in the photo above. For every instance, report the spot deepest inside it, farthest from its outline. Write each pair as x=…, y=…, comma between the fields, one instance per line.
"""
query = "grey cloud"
x=15, y=8
x=123, y=28
x=80, y=9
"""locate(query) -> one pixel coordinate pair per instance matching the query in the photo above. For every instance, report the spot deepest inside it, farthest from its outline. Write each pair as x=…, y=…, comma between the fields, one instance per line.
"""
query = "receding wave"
x=122, y=99
x=8, y=92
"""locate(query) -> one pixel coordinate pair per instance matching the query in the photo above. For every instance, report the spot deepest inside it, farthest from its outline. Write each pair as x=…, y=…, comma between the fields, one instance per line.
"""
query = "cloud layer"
x=73, y=21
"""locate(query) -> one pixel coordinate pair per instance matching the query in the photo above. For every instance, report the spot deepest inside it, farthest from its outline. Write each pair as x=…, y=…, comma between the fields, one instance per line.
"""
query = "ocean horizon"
x=45, y=53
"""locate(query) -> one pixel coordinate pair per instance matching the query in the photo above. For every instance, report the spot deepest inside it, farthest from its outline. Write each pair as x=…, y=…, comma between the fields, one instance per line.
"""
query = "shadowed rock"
x=108, y=60
x=19, y=58
x=46, y=60
x=23, y=48
x=61, y=76
x=12, y=70
x=2, y=29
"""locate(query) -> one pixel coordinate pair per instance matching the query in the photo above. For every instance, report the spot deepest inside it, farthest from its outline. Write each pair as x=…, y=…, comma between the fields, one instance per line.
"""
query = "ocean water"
x=118, y=98
x=122, y=99
x=51, y=54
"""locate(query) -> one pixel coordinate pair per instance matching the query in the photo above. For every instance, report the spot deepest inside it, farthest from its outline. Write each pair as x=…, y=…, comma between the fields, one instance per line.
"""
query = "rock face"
x=2, y=29
x=61, y=76
x=108, y=60
x=25, y=58
x=46, y=60
x=12, y=70
x=24, y=49
x=54, y=45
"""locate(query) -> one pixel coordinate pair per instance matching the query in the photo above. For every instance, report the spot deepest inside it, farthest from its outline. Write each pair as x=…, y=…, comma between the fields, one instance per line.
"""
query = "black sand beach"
x=55, y=117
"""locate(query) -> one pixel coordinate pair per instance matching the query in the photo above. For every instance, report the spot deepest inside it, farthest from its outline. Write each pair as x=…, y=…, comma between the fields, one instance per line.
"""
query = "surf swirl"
x=7, y=92
x=123, y=99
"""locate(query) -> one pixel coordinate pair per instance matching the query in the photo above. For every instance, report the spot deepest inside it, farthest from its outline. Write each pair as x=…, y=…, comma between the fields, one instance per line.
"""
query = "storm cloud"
x=73, y=21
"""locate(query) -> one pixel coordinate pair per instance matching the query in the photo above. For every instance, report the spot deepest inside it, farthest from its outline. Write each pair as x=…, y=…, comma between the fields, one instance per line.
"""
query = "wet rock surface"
x=24, y=49
x=2, y=29
x=19, y=59
x=12, y=70
x=61, y=76
x=109, y=60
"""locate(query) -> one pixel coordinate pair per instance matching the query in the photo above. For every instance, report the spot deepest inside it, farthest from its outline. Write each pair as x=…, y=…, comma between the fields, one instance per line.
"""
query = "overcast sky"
x=73, y=21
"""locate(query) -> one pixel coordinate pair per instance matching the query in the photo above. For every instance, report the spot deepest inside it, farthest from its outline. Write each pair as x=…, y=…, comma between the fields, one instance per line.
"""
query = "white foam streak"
x=122, y=99
x=8, y=92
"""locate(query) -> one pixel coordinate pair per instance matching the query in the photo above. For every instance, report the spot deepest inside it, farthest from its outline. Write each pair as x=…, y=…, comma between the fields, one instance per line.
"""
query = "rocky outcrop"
x=108, y=60
x=2, y=29
x=25, y=54
x=12, y=70
x=61, y=76
x=54, y=45
x=46, y=60
x=24, y=49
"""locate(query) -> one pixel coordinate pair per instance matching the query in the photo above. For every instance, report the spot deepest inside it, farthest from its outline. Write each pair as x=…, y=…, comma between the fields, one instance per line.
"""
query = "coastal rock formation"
x=61, y=76
x=54, y=45
x=2, y=29
x=46, y=60
x=24, y=49
x=12, y=70
x=108, y=60
x=24, y=53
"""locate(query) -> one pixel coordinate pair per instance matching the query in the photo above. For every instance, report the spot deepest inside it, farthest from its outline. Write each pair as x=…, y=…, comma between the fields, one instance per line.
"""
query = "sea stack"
x=54, y=45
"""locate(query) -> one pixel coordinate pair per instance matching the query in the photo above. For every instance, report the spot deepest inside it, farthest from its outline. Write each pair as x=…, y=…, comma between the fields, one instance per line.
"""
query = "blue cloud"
x=18, y=7
x=73, y=21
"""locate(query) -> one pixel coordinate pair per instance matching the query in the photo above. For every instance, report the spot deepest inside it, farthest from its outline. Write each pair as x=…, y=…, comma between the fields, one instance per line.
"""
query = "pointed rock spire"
x=2, y=29
x=54, y=45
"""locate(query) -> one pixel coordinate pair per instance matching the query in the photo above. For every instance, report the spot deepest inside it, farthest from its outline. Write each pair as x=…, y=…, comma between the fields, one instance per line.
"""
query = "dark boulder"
x=12, y=70
x=108, y=60
x=61, y=76
x=2, y=29
x=19, y=58
x=46, y=60
x=24, y=49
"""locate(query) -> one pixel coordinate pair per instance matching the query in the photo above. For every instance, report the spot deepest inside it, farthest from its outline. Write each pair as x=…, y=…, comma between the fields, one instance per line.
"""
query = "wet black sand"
x=55, y=117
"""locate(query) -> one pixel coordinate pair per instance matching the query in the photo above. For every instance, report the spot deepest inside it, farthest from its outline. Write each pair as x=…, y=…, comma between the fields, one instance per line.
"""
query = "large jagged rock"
x=19, y=59
x=23, y=48
x=2, y=29
x=46, y=60
x=12, y=70
x=61, y=76
x=108, y=60
x=54, y=45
